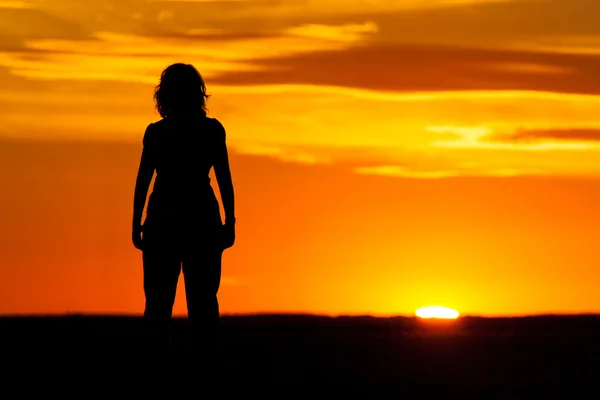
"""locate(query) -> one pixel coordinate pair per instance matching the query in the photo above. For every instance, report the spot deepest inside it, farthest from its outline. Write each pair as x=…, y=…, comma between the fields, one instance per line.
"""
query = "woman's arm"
x=142, y=183
x=223, y=175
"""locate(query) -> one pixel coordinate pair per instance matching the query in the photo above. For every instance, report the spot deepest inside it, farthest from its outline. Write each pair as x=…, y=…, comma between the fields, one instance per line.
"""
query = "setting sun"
x=437, y=312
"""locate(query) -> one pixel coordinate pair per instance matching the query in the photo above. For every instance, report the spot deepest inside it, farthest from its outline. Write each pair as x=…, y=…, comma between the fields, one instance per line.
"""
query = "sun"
x=437, y=312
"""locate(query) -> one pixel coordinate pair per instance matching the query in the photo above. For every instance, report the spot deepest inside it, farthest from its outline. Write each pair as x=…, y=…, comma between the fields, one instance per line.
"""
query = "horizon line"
x=291, y=314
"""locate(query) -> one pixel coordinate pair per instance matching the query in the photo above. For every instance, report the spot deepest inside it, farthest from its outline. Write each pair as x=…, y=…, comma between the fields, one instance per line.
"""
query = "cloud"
x=293, y=8
x=451, y=22
x=110, y=56
x=404, y=172
x=487, y=161
x=493, y=25
x=427, y=68
x=439, y=163
x=18, y=24
x=343, y=33
x=484, y=137
x=463, y=133
x=282, y=153
x=569, y=134
x=385, y=45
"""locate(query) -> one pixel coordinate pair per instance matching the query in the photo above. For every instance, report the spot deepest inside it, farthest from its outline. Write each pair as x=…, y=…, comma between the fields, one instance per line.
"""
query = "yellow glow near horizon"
x=437, y=312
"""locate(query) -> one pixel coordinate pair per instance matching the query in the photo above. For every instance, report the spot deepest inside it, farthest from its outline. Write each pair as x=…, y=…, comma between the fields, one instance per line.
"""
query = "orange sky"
x=386, y=155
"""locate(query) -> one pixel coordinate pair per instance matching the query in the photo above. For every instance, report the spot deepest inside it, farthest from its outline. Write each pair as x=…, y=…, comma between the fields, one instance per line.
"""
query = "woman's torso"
x=184, y=151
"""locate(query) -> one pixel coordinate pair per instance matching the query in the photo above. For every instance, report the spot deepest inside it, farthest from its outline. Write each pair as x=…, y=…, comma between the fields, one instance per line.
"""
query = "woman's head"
x=181, y=91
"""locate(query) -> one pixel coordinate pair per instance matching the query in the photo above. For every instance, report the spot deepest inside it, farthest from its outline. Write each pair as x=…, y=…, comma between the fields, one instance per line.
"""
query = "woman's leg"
x=161, y=273
x=202, y=276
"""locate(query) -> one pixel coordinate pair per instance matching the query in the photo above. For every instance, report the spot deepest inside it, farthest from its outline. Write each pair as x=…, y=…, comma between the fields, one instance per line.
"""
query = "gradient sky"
x=386, y=154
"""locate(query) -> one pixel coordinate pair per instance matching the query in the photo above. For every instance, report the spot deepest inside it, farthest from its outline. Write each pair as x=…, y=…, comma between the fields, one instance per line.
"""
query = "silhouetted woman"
x=183, y=229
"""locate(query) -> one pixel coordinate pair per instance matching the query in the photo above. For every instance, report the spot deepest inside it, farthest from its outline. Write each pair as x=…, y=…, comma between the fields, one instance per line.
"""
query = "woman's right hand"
x=136, y=236
x=228, y=232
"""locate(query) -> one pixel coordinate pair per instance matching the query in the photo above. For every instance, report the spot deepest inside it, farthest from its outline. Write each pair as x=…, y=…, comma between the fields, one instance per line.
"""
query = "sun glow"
x=437, y=312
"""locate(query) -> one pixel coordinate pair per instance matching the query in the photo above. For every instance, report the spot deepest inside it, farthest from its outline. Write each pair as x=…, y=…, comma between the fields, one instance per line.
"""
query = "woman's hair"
x=181, y=91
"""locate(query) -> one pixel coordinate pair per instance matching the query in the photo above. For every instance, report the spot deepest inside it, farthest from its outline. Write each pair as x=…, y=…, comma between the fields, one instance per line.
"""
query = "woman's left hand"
x=136, y=236
x=228, y=235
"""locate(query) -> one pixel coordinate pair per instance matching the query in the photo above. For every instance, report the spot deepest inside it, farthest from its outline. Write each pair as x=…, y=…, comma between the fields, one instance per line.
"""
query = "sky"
x=386, y=154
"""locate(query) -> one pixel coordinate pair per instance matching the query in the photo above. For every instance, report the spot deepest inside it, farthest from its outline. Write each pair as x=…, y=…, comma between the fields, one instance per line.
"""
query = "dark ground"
x=280, y=356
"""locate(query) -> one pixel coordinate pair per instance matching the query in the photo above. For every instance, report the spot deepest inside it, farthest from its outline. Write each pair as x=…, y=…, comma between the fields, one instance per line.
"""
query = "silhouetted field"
x=285, y=355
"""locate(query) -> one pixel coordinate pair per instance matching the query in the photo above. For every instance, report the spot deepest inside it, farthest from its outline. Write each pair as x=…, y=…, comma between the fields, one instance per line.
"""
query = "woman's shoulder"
x=215, y=122
x=156, y=125
x=152, y=131
x=218, y=126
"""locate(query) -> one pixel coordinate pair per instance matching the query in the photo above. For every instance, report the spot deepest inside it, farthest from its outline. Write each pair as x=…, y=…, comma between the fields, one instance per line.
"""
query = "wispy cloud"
x=133, y=58
x=533, y=135
x=237, y=43
x=350, y=32
x=478, y=137
x=283, y=153
x=293, y=8
x=391, y=67
x=404, y=172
